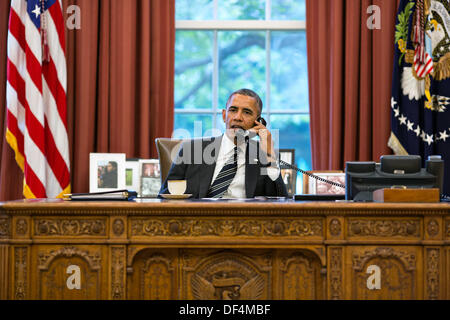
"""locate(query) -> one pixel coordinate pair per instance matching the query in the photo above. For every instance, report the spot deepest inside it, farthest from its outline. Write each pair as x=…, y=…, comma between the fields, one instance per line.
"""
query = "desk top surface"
x=230, y=206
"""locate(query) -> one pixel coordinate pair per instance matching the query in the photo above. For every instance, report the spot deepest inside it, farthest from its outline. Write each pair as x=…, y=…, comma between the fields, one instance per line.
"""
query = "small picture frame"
x=286, y=155
x=319, y=187
x=106, y=172
x=289, y=178
x=150, y=177
x=132, y=178
x=150, y=187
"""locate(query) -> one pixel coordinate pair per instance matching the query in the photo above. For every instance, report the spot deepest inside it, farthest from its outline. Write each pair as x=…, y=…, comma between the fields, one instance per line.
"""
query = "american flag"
x=423, y=63
x=36, y=96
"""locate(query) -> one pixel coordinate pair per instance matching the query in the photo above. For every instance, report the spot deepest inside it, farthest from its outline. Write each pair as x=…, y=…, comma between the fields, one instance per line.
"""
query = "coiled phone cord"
x=312, y=175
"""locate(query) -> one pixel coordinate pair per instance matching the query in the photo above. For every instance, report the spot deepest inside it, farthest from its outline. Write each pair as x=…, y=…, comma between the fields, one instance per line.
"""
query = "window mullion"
x=268, y=35
x=273, y=112
x=215, y=9
x=193, y=111
x=215, y=79
x=240, y=25
x=268, y=10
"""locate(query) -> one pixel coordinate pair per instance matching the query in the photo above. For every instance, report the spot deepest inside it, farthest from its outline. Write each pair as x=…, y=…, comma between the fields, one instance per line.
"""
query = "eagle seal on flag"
x=420, y=101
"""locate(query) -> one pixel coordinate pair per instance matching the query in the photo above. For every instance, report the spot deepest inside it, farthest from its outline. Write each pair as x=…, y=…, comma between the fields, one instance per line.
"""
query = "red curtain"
x=350, y=72
x=120, y=67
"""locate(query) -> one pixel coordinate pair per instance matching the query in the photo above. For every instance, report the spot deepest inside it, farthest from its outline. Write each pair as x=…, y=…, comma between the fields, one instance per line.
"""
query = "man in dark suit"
x=231, y=165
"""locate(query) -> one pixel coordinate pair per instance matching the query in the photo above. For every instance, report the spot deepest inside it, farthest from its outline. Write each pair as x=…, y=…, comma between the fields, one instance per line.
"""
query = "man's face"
x=109, y=167
x=241, y=113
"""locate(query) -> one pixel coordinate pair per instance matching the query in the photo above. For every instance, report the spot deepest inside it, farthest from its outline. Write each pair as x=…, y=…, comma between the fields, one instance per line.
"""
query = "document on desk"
x=123, y=195
x=145, y=200
x=246, y=199
x=225, y=199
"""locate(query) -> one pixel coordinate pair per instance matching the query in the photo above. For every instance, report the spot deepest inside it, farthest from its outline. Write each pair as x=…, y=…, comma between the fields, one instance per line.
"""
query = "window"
x=225, y=45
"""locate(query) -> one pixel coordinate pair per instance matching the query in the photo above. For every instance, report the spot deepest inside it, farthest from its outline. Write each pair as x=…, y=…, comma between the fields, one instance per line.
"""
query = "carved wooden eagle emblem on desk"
x=225, y=287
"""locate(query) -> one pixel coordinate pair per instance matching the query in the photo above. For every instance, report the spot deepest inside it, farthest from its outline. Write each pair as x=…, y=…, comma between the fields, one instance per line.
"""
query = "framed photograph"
x=149, y=168
x=319, y=187
x=150, y=177
x=287, y=155
x=106, y=171
x=150, y=187
x=132, y=178
x=289, y=178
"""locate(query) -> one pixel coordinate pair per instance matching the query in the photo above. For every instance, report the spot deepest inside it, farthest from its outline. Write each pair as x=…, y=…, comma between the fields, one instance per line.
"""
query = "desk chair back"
x=166, y=148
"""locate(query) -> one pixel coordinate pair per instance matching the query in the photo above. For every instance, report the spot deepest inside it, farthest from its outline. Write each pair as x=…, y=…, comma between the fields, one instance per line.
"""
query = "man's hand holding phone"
x=265, y=139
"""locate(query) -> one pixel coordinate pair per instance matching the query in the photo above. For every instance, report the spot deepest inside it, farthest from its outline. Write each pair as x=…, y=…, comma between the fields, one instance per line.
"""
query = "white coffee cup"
x=177, y=186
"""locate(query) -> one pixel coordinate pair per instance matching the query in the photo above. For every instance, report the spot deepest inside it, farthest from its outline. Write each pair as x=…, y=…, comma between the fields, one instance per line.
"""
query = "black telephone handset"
x=250, y=134
x=262, y=121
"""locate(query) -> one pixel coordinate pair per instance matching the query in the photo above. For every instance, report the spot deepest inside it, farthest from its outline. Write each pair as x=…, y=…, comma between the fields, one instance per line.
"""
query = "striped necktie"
x=224, y=178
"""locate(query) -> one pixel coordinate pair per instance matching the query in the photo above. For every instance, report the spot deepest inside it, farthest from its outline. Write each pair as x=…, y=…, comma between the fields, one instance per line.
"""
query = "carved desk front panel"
x=51, y=249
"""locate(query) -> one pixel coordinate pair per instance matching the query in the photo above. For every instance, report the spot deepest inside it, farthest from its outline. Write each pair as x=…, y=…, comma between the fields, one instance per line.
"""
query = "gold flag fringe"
x=396, y=146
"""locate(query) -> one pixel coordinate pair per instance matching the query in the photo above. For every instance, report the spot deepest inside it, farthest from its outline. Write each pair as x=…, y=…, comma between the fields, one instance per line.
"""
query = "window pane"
x=193, y=69
x=220, y=125
x=294, y=134
x=242, y=10
x=289, y=74
x=288, y=10
x=194, y=10
x=189, y=126
x=242, y=63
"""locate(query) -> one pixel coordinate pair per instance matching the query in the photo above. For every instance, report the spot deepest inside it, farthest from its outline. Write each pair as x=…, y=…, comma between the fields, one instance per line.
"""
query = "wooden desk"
x=216, y=250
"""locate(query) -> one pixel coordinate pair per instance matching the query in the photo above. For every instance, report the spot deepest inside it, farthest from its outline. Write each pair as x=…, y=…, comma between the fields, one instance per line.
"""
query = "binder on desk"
x=123, y=195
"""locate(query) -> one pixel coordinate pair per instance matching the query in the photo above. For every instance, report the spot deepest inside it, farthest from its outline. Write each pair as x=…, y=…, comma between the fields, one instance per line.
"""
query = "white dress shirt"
x=237, y=186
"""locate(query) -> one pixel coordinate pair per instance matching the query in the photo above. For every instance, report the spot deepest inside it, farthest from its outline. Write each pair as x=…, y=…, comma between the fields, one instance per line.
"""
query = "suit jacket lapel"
x=207, y=170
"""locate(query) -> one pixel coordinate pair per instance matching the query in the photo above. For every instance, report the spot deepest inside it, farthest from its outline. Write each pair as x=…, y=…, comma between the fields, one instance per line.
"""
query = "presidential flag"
x=36, y=96
x=420, y=101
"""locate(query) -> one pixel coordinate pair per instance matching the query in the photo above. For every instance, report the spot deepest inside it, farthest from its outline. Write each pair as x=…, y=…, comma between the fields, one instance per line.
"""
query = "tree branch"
x=192, y=64
x=239, y=44
x=200, y=83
